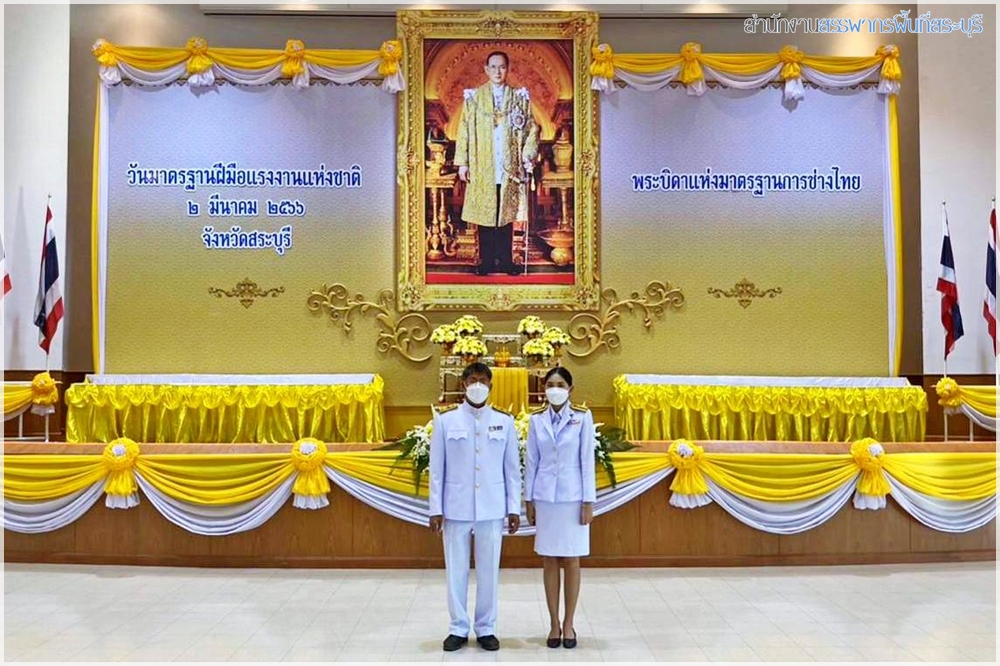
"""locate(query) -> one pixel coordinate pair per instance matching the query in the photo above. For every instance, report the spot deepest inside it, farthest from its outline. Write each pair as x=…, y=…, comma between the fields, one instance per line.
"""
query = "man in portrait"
x=495, y=154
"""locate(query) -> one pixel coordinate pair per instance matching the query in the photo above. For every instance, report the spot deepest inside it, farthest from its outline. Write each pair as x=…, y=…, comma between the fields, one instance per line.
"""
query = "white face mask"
x=477, y=393
x=556, y=395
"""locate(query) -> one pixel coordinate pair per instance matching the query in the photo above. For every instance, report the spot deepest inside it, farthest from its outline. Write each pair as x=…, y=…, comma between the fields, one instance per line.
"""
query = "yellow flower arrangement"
x=467, y=325
x=444, y=335
x=531, y=326
x=469, y=346
x=539, y=349
x=555, y=336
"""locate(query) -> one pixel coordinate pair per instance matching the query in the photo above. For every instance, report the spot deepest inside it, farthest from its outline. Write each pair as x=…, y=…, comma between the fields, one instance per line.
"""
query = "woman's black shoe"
x=569, y=643
x=553, y=642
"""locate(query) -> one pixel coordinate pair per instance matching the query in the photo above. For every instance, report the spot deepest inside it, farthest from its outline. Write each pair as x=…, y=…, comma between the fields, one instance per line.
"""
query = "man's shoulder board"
x=447, y=408
x=539, y=410
x=577, y=408
x=503, y=411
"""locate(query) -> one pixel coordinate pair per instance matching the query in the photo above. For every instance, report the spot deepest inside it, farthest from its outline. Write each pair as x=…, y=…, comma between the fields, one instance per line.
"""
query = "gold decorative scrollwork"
x=744, y=292
x=600, y=329
x=396, y=334
x=247, y=291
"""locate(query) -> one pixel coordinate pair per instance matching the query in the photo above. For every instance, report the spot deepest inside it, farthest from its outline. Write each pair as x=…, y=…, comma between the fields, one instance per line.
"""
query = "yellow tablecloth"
x=775, y=413
x=217, y=414
x=510, y=389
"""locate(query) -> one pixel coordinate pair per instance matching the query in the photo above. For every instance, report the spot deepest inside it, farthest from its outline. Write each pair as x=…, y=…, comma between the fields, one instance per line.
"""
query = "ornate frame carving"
x=413, y=27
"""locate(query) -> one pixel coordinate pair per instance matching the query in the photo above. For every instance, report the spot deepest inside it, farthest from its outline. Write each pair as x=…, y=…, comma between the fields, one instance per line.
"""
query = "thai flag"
x=6, y=275
x=951, y=315
x=48, y=303
x=990, y=297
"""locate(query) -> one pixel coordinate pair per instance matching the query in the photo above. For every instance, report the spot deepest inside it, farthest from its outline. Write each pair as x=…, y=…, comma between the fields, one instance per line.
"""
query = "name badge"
x=496, y=428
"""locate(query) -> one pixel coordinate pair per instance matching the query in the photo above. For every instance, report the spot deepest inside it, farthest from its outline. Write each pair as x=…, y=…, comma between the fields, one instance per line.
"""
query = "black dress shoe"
x=570, y=643
x=454, y=642
x=553, y=642
x=491, y=643
x=511, y=269
x=482, y=270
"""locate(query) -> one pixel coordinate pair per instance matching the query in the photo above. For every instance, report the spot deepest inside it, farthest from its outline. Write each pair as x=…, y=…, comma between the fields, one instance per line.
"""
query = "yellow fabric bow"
x=867, y=454
x=691, y=70
x=119, y=459
x=686, y=458
x=891, y=70
x=390, y=53
x=949, y=392
x=199, y=61
x=603, y=64
x=43, y=389
x=294, y=58
x=791, y=59
x=308, y=456
x=104, y=52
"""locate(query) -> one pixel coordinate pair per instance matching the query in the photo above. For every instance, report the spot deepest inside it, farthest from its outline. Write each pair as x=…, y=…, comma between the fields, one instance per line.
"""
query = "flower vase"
x=469, y=358
x=448, y=349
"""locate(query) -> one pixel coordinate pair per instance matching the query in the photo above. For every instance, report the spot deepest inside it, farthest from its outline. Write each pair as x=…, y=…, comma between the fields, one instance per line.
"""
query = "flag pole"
x=944, y=211
x=48, y=207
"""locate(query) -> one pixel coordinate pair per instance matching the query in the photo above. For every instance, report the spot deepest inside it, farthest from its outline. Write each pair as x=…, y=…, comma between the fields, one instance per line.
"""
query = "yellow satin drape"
x=218, y=414
x=16, y=397
x=983, y=399
x=666, y=412
x=748, y=64
x=221, y=479
x=509, y=390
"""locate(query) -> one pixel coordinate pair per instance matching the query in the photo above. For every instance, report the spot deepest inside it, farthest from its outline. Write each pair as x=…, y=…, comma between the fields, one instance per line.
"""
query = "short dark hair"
x=477, y=368
x=562, y=372
x=506, y=58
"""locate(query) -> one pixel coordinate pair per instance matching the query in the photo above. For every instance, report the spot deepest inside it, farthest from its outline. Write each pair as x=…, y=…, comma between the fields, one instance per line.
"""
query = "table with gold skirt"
x=807, y=409
x=226, y=408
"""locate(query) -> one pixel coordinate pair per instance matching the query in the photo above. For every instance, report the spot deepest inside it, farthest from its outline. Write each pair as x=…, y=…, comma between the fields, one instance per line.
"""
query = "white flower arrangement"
x=469, y=346
x=531, y=325
x=468, y=325
x=555, y=336
x=444, y=334
x=538, y=348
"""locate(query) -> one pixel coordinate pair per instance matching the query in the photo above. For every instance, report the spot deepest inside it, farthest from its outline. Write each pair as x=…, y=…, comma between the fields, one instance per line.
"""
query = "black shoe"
x=553, y=642
x=454, y=642
x=482, y=270
x=570, y=643
x=512, y=270
x=491, y=643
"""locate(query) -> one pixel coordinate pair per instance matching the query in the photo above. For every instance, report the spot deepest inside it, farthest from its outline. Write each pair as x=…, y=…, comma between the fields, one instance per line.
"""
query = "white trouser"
x=457, y=548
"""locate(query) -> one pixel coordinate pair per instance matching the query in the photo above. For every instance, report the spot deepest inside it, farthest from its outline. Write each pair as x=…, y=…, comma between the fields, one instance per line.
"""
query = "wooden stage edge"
x=646, y=532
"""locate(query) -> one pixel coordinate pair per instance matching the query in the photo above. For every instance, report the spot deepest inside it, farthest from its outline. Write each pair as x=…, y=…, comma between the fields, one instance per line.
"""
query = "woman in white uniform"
x=560, y=490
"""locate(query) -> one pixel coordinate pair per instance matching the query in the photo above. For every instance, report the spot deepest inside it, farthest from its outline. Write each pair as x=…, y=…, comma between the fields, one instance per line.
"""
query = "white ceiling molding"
x=645, y=10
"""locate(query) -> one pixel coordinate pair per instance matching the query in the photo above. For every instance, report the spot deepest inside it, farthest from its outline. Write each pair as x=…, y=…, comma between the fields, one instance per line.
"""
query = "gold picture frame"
x=417, y=175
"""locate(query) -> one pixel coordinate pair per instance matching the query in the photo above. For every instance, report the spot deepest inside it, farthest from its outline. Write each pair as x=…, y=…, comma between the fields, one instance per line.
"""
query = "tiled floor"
x=878, y=613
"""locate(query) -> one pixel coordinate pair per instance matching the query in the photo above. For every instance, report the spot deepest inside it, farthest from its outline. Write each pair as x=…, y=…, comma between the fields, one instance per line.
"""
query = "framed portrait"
x=497, y=165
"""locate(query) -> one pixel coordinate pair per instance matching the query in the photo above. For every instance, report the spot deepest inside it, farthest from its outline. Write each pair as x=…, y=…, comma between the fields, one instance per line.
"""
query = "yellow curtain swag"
x=791, y=62
x=391, y=52
x=119, y=460
x=295, y=51
x=891, y=71
x=308, y=456
x=602, y=64
x=867, y=455
x=691, y=71
x=199, y=61
x=687, y=457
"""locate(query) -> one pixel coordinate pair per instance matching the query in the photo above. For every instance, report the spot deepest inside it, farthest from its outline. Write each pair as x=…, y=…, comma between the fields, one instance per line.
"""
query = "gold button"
x=477, y=486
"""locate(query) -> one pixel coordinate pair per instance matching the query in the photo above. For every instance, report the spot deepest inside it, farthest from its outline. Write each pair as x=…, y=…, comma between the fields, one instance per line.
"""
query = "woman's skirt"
x=558, y=532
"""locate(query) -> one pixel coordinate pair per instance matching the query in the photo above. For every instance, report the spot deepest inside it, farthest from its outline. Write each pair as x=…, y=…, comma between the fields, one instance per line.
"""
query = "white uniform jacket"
x=475, y=469
x=559, y=465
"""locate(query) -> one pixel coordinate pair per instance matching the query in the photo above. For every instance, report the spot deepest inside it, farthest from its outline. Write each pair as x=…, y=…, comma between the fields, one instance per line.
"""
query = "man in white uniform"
x=475, y=482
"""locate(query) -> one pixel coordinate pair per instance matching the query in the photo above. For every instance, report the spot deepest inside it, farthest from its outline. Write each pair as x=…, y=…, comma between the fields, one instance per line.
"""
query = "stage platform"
x=642, y=531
